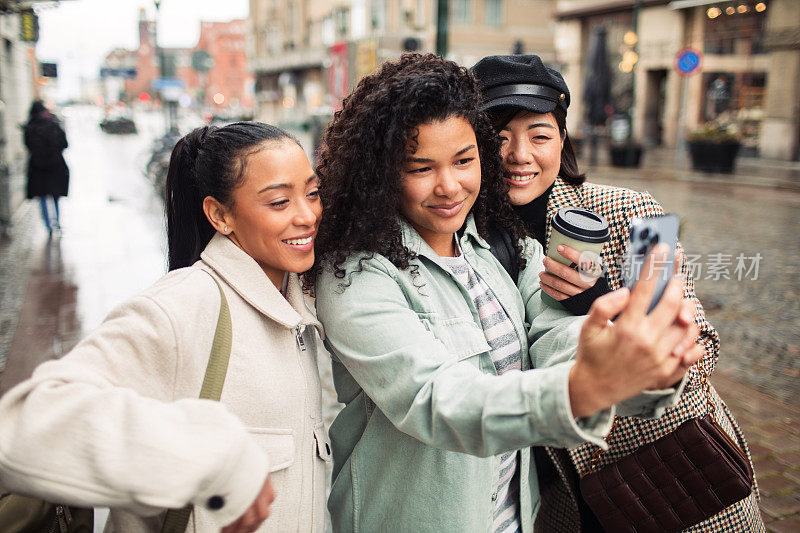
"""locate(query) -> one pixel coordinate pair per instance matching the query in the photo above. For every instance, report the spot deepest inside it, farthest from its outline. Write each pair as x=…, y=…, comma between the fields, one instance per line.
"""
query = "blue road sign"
x=687, y=61
x=160, y=84
x=107, y=72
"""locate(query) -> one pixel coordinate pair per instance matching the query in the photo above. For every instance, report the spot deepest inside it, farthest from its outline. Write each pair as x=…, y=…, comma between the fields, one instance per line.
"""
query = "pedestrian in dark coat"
x=48, y=174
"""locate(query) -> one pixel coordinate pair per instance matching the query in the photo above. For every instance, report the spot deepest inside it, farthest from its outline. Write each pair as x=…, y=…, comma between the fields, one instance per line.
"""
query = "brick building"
x=228, y=75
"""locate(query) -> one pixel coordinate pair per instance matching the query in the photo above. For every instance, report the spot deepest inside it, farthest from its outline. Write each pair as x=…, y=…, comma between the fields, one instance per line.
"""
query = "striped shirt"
x=506, y=353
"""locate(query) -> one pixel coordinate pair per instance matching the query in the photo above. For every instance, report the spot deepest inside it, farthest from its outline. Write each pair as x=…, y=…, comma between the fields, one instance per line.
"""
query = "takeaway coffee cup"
x=581, y=229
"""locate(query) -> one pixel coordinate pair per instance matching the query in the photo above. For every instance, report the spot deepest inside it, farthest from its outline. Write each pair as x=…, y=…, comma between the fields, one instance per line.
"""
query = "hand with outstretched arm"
x=637, y=351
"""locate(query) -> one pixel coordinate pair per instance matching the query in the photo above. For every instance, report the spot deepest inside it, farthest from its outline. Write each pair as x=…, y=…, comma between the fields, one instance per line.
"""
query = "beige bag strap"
x=177, y=519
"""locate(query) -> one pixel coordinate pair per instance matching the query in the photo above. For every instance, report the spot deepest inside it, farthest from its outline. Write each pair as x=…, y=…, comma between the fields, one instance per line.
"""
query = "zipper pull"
x=300, y=342
x=61, y=520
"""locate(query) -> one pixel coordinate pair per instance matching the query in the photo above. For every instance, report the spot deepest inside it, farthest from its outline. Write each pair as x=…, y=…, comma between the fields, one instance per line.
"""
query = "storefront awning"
x=686, y=4
x=14, y=6
x=605, y=8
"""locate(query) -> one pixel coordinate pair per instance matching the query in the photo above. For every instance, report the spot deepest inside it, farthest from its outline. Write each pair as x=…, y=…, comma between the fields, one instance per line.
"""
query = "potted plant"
x=623, y=150
x=625, y=154
x=713, y=148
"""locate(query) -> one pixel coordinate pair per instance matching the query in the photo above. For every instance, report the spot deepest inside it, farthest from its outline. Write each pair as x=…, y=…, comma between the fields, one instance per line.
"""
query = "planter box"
x=624, y=156
x=713, y=157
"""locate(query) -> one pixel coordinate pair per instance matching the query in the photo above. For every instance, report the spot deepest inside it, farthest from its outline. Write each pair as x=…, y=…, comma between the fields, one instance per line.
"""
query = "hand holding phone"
x=645, y=234
x=623, y=348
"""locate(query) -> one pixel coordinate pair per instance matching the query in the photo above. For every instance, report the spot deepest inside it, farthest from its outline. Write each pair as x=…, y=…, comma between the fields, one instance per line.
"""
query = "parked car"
x=118, y=122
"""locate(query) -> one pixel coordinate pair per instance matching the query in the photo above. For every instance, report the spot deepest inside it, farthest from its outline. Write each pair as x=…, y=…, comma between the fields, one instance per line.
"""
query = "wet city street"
x=741, y=239
x=744, y=252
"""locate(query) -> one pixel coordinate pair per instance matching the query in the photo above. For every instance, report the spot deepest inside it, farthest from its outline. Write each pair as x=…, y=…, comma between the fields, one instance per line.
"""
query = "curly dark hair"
x=364, y=148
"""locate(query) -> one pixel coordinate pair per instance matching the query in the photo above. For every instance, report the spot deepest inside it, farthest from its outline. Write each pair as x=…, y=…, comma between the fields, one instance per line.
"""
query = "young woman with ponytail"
x=117, y=422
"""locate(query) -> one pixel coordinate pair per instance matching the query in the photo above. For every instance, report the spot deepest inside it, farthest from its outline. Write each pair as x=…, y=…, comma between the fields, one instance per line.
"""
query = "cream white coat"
x=117, y=423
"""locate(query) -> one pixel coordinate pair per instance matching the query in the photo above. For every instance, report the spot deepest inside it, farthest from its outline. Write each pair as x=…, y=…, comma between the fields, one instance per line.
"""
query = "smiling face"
x=441, y=179
x=276, y=210
x=531, y=150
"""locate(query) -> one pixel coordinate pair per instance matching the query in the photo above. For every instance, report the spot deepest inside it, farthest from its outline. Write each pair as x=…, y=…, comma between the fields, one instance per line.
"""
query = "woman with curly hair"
x=449, y=372
x=527, y=103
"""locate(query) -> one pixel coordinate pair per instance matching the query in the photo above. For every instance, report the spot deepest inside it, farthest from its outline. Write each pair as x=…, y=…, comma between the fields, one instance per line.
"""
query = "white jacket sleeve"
x=100, y=427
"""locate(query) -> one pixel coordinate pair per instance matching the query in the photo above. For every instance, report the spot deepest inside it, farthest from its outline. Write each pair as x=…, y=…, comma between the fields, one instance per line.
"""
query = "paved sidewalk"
x=772, y=429
x=662, y=164
x=15, y=254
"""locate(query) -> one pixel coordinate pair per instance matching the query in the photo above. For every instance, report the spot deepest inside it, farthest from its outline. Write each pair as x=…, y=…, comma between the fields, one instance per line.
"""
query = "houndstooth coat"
x=559, y=484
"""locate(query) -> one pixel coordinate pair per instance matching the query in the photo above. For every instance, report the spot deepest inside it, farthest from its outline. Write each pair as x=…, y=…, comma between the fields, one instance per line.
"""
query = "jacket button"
x=215, y=503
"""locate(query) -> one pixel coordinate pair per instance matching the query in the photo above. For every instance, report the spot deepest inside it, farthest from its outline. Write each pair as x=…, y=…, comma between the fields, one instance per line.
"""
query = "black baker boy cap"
x=520, y=81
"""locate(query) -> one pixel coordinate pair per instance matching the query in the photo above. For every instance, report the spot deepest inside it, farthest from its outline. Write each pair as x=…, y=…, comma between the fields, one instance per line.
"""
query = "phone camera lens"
x=644, y=234
x=642, y=251
x=654, y=240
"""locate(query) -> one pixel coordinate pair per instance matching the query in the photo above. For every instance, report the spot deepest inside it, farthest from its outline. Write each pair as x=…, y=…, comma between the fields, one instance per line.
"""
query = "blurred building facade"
x=18, y=75
x=145, y=65
x=308, y=55
x=228, y=75
x=749, y=75
x=224, y=70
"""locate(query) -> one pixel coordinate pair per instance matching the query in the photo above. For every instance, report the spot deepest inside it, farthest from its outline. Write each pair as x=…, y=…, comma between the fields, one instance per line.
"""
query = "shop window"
x=736, y=99
x=328, y=31
x=461, y=11
x=735, y=34
x=419, y=14
x=494, y=13
x=378, y=13
x=342, y=17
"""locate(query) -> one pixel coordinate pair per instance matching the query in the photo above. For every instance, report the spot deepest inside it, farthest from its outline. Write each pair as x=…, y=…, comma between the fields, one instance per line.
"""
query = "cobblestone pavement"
x=758, y=319
x=54, y=291
x=773, y=433
x=663, y=164
x=15, y=251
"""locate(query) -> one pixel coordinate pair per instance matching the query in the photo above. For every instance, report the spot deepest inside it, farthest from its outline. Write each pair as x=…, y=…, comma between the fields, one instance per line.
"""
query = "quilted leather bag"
x=673, y=483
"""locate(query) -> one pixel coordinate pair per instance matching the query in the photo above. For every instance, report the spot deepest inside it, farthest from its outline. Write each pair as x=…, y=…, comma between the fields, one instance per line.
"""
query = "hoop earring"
x=226, y=230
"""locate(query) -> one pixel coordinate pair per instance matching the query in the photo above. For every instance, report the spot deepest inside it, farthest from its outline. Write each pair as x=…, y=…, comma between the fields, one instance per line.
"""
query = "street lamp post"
x=441, y=27
x=170, y=107
x=629, y=150
x=159, y=52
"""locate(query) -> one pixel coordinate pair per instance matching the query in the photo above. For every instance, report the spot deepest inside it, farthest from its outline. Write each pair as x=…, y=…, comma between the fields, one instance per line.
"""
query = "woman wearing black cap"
x=528, y=103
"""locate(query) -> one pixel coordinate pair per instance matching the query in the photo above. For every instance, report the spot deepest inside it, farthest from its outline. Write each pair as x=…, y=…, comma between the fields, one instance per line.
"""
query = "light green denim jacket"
x=426, y=415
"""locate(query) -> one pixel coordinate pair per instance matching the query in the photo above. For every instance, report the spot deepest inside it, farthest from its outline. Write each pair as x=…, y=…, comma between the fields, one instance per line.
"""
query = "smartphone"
x=645, y=234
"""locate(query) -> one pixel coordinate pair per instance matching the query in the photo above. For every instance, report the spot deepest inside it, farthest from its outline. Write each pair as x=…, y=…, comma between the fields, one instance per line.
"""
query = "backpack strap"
x=502, y=248
x=176, y=520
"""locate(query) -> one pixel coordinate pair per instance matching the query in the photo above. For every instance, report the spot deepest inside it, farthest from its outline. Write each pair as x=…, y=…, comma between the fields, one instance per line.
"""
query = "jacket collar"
x=416, y=244
x=243, y=274
x=470, y=231
x=563, y=194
